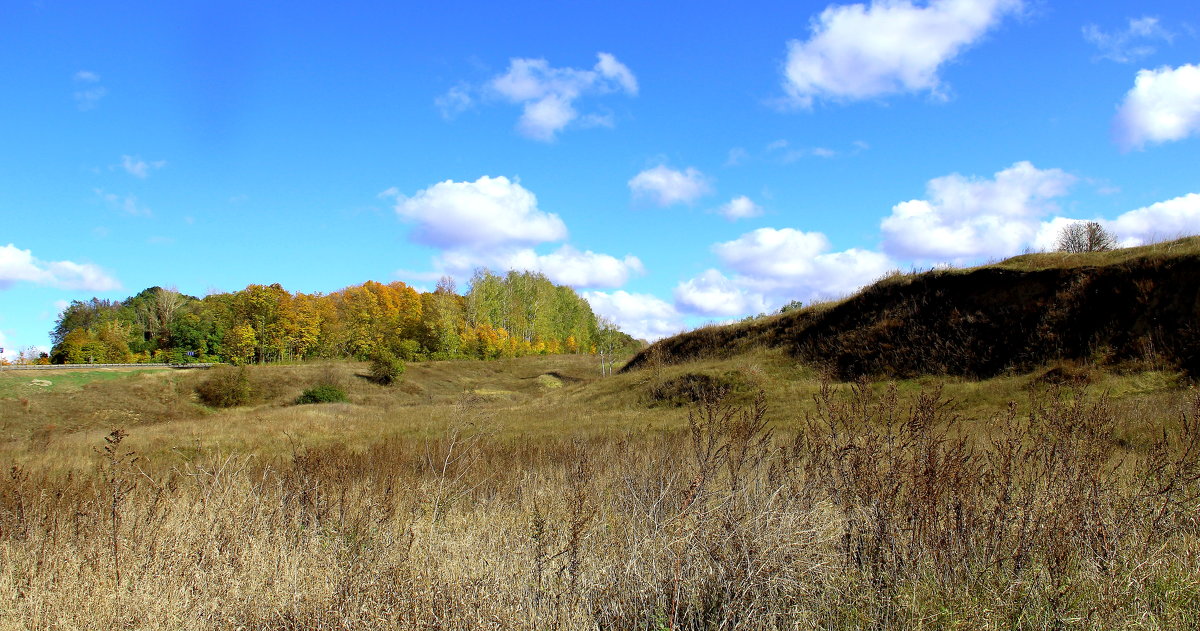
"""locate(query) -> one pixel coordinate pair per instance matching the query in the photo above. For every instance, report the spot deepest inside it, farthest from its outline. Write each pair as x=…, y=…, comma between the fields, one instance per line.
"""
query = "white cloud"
x=494, y=222
x=665, y=186
x=789, y=263
x=138, y=167
x=610, y=68
x=568, y=266
x=564, y=266
x=712, y=294
x=88, y=90
x=1164, y=220
x=891, y=46
x=488, y=212
x=127, y=204
x=548, y=95
x=966, y=218
x=1130, y=44
x=1162, y=106
x=641, y=315
x=741, y=207
x=18, y=265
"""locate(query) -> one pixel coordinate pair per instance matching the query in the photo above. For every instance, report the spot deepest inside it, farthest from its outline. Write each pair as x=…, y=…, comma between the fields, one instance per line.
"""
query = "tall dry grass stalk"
x=875, y=511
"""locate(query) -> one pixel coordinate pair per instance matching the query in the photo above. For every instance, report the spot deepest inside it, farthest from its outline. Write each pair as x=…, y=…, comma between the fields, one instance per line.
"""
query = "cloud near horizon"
x=564, y=266
x=489, y=212
x=643, y=316
x=1160, y=221
x=17, y=265
x=966, y=218
x=495, y=222
x=774, y=266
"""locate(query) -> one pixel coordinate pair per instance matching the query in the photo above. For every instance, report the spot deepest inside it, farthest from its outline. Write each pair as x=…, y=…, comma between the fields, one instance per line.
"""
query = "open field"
x=534, y=494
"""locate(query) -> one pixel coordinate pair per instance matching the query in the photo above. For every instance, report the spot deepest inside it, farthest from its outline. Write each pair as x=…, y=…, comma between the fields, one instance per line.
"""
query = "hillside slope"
x=1132, y=305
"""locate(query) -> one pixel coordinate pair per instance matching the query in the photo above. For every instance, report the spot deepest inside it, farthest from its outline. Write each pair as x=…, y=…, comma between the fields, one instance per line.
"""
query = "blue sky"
x=677, y=162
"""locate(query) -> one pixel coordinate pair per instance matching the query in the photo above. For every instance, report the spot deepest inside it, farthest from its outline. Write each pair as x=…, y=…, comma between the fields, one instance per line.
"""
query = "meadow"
x=749, y=492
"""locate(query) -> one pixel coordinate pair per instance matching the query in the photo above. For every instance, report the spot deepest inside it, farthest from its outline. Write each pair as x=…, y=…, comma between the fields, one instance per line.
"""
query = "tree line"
x=510, y=315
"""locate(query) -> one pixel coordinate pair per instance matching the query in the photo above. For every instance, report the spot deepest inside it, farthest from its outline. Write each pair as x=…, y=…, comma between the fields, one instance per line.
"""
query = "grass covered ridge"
x=1131, y=309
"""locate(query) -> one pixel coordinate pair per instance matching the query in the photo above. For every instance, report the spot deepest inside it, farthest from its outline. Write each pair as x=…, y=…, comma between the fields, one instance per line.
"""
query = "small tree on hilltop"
x=1085, y=236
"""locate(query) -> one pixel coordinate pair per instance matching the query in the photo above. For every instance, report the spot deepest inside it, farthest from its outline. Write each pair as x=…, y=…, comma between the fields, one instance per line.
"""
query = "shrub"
x=1085, y=236
x=325, y=393
x=227, y=387
x=409, y=350
x=694, y=388
x=386, y=368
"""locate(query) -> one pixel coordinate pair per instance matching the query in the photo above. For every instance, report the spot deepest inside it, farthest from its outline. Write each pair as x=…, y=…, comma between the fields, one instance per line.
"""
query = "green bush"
x=227, y=387
x=409, y=350
x=386, y=368
x=324, y=393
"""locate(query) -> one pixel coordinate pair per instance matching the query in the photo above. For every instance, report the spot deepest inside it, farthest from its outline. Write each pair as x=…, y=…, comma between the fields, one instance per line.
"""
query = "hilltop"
x=1127, y=308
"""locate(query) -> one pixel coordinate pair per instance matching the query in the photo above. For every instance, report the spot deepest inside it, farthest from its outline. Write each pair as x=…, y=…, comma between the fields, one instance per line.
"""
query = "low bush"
x=386, y=368
x=227, y=387
x=692, y=388
x=324, y=393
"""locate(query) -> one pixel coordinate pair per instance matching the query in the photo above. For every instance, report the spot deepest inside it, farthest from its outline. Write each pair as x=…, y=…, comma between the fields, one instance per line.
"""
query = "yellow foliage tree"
x=240, y=342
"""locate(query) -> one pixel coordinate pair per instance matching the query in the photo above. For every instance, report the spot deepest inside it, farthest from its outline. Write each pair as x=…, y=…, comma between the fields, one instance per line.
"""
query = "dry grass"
x=789, y=503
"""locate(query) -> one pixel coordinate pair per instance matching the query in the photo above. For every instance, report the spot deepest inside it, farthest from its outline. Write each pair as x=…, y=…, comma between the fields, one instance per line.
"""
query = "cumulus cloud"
x=712, y=294
x=564, y=266
x=862, y=51
x=138, y=167
x=1163, y=220
x=665, y=186
x=568, y=266
x=641, y=315
x=1124, y=46
x=1162, y=106
x=966, y=217
x=740, y=207
x=799, y=263
x=494, y=223
x=488, y=212
x=88, y=90
x=547, y=95
x=773, y=266
x=18, y=265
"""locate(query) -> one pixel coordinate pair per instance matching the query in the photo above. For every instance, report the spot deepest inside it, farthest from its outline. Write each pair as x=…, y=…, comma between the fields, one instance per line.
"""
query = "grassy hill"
x=728, y=486
x=1132, y=308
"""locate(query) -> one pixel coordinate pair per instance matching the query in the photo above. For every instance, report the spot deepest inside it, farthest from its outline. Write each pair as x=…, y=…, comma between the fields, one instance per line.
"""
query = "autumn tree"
x=240, y=344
